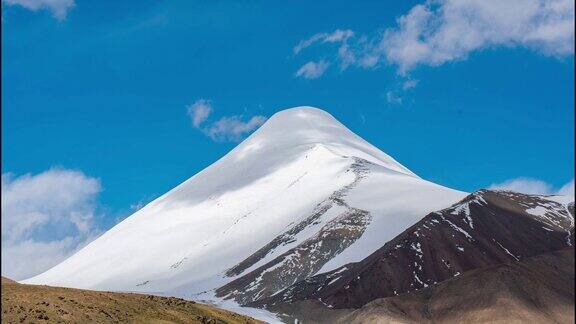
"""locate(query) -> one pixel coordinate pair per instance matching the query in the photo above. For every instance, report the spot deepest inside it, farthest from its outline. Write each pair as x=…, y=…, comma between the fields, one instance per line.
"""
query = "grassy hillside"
x=44, y=304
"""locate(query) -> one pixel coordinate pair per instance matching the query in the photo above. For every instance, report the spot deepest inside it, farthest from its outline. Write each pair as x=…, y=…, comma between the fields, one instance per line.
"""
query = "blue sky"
x=100, y=90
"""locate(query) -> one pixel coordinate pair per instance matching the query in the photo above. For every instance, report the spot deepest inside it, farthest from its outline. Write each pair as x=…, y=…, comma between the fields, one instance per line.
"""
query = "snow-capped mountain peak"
x=302, y=195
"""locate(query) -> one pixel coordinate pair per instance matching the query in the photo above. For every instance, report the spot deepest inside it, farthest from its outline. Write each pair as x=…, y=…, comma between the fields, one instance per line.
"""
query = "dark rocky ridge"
x=484, y=229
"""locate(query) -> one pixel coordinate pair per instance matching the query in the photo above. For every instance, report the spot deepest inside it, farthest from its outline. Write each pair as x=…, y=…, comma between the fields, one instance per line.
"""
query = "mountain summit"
x=302, y=196
x=302, y=127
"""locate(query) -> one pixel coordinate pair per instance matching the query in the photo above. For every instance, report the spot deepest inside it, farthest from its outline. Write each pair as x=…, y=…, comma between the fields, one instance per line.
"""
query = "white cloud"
x=199, y=112
x=336, y=36
x=346, y=56
x=441, y=31
x=397, y=91
x=227, y=128
x=232, y=128
x=534, y=186
x=59, y=8
x=45, y=218
x=312, y=70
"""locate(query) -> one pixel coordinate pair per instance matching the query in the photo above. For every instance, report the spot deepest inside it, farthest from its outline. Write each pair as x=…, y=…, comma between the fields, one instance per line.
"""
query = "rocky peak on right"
x=485, y=229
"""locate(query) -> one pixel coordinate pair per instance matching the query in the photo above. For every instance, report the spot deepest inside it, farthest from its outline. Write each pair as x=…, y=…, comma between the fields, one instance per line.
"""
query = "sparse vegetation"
x=44, y=304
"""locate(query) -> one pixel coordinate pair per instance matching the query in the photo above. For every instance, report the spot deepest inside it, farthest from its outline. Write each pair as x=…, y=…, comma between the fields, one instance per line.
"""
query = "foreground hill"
x=39, y=304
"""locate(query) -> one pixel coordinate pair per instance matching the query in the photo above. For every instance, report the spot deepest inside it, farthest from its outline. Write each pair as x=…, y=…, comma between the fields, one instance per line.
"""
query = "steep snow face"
x=301, y=179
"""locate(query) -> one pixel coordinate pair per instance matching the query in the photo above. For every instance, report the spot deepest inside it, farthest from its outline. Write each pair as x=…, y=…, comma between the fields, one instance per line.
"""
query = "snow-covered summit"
x=287, y=136
x=301, y=127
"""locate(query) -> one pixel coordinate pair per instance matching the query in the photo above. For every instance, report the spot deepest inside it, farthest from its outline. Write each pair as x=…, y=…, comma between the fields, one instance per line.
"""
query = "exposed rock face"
x=305, y=259
x=484, y=229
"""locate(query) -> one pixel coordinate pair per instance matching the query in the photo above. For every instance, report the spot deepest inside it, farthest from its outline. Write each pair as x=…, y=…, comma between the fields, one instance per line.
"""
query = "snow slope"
x=301, y=162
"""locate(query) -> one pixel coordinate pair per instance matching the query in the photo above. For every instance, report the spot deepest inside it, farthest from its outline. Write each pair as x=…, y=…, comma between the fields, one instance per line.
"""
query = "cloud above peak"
x=227, y=128
x=59, y=8
x=437, y=32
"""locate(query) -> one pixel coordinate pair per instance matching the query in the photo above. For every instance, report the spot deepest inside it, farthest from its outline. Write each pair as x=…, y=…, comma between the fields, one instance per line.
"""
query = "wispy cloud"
x=337, y=36
x=312, y=70
x=441, y=31
x=397, y=91
x=346, y=56
x=227, y=128
x=233, y=128
x=534, y=186
x=199, y=111
x=45, y=218
x=59, y=8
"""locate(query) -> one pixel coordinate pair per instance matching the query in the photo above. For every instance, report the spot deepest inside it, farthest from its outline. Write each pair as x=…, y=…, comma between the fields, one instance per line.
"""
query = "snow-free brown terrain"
x=538, y=289
x=43, y=304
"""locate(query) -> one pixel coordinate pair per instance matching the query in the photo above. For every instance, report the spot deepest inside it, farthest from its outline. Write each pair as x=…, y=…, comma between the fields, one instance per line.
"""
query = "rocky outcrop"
x=305, y=259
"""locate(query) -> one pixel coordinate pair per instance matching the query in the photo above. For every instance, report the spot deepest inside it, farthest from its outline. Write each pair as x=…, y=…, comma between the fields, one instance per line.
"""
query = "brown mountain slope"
x=484, y=229
x=44, y=304
x=539, y=289
x=536, y=290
